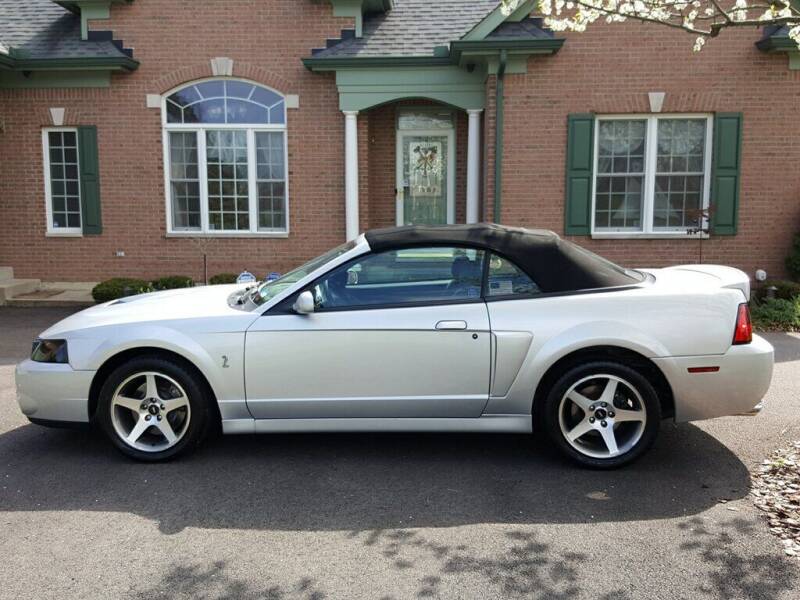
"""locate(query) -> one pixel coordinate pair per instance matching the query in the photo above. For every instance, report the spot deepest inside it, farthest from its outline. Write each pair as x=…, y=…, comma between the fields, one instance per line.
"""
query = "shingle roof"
x=412, y=28
x=41, y=29
x=530, y=28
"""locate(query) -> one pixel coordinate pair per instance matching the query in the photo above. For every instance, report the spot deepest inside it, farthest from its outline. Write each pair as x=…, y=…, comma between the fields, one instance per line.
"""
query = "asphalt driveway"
x=388, y=516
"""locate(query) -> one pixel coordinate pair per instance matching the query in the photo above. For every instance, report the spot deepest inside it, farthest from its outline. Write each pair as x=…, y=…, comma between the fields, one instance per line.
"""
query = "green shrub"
x=223, y=278
x=793, y=260
x=785, y=290
x=119, y=287
x=776, y=313
x=172, y=282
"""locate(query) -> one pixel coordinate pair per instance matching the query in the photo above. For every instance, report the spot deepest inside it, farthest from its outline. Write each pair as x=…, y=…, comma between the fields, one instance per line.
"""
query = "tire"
x=602, y=414
x=150, y=426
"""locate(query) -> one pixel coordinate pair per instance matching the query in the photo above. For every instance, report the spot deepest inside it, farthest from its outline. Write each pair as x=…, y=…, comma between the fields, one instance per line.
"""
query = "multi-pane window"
x=226, y=144
x=651, y=174
x=271, y=180
x=62, y=178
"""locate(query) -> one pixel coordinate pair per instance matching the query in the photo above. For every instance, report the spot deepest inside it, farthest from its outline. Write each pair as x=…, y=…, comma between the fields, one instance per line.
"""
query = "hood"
x=171, y=305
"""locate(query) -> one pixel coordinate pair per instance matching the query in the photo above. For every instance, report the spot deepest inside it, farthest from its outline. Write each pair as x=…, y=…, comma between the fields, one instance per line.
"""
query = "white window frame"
x=48, y=187
x=200, y=129
x=648, y=195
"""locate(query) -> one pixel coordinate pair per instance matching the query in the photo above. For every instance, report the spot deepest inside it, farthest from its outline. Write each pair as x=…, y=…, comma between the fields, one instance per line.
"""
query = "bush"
x=119, y=287
x=785, y=290
x=172, y=282
x=223, y=278
x=776, y=313
x=793, y=260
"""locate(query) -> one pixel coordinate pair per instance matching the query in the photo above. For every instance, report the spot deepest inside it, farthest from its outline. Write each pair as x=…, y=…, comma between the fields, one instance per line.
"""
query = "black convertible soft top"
x=555, y=265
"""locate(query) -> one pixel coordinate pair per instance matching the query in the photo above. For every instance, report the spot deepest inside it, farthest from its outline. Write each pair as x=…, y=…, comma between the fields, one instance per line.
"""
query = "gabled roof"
x=412, y=28
x=40, y=33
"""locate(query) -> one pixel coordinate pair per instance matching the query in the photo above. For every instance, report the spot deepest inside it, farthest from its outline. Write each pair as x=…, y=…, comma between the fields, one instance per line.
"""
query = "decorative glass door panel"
x=425, y=177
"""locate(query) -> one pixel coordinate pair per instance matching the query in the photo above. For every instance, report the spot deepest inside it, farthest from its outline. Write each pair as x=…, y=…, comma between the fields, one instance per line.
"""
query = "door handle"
x=451, y=325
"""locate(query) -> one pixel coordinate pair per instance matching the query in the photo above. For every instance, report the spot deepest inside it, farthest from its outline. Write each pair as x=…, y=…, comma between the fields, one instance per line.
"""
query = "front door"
x=425, y=177
x=395, y=335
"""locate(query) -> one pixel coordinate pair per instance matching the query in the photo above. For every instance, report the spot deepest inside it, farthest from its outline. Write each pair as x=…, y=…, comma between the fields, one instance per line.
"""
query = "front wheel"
x=602, y=414
x=152, y=408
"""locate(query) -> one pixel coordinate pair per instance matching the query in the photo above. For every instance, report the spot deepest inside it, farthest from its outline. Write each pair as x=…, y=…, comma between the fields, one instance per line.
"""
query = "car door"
x=398, y=334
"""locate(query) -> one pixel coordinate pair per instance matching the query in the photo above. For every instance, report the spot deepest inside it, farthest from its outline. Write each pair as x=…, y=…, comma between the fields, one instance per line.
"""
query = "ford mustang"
x=478, y=328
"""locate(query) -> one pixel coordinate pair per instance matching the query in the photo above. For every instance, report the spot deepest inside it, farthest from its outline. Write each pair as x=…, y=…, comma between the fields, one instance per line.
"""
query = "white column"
x=473, y=164
x=351, y=173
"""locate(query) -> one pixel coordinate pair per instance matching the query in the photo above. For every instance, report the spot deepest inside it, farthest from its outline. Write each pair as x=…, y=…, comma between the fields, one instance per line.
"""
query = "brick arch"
x=202, y=70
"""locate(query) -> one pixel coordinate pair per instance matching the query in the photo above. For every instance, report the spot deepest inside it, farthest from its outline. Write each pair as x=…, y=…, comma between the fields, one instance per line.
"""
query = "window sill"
x=63, y=234
x=629, y=235
x=242, y=235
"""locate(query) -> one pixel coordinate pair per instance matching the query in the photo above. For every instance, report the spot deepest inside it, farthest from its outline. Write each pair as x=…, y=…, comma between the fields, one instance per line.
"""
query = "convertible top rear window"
x=555, y=265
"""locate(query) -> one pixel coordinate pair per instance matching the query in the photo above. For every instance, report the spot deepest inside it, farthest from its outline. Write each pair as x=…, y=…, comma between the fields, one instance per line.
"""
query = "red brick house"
x=130, y=129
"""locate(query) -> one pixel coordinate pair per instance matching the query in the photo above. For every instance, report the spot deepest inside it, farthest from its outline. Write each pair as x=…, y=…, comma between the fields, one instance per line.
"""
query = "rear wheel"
x=602, y=414
x=152, y=408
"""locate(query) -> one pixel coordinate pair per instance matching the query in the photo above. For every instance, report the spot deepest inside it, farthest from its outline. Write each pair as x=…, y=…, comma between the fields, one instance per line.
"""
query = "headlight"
x=50, y=351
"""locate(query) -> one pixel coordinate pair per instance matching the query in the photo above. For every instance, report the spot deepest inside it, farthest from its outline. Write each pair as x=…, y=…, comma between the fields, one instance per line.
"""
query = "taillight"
x=743, y=334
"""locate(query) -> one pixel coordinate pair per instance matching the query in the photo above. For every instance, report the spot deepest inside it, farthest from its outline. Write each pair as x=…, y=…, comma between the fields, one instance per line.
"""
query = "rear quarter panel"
x=655, y=320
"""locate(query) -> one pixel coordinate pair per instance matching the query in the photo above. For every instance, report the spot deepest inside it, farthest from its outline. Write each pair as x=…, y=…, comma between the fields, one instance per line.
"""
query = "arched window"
x=225, y=144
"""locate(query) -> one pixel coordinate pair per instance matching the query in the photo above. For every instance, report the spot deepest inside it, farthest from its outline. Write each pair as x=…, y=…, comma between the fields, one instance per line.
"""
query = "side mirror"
x=304, y=304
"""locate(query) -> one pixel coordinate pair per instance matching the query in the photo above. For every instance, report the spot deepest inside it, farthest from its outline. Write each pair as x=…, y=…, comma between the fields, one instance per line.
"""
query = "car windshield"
x=267, y=290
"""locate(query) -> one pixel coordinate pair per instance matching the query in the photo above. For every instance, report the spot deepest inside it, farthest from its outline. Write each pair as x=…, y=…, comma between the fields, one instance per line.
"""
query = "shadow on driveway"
x=364, y=482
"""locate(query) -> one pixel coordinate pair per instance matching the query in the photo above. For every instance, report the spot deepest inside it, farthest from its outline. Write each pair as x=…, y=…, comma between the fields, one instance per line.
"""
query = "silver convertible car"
x=476, y=328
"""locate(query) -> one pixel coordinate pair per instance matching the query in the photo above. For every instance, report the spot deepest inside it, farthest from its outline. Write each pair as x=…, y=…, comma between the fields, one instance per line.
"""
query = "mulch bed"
x=776, y=491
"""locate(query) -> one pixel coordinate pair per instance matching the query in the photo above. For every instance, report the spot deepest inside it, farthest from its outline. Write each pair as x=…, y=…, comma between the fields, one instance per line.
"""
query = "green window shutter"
x=90, y=180
x=580, y=164
x=725, y=173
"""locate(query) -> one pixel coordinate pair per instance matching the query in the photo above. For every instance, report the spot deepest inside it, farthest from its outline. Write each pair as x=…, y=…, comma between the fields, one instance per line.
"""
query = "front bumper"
x=744, y=375
x=49, y=393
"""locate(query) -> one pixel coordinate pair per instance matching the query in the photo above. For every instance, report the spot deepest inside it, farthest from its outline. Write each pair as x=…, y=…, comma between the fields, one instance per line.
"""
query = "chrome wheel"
x=150, y=411
x=602, y=416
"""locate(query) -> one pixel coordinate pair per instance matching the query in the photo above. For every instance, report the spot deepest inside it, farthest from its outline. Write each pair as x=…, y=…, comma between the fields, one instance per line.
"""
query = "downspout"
x=498, y=136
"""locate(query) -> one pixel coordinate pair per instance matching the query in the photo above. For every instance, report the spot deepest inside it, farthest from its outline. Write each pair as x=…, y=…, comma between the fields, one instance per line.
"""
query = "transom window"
x=651, y=174
x=226, y=158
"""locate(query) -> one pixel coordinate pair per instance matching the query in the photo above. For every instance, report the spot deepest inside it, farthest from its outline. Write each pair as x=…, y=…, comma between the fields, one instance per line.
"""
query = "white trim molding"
x=292, y=101
x=473, y=164
x=656, y=101
x=57, y=117
x=351, y=174
x=153, y=101
x=222, y=66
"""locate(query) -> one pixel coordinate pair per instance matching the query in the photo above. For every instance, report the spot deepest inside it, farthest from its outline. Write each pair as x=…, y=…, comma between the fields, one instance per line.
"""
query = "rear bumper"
x=744, y=375
x=49, y=393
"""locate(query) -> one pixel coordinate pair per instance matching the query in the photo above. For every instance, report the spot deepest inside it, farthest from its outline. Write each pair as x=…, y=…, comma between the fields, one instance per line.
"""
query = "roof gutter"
x=452, y=57
x=498, y=136
x=113, y=63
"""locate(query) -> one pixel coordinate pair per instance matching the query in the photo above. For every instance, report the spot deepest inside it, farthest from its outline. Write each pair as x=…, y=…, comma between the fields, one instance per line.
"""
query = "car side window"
x=404, y=276
x=507, y=279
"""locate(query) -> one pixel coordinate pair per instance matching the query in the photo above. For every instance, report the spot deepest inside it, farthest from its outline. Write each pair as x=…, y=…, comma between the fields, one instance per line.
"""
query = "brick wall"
x=610, y=69
x=174, y=42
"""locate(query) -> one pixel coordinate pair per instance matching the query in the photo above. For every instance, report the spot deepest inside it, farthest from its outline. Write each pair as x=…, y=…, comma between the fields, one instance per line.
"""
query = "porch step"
x=56, y=294
x=14, y=287
x=6, y=273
